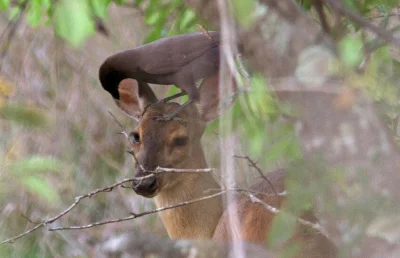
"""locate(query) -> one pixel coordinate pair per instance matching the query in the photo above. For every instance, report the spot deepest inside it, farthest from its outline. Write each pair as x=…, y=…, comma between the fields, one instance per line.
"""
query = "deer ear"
x=208, y=105
x=134, y=96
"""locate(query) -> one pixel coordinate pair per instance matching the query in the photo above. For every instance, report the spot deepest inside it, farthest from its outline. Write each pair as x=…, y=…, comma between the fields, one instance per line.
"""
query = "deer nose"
x=146, y=187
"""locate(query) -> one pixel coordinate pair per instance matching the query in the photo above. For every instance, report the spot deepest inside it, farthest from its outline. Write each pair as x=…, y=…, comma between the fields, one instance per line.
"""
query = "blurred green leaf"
x=351, y=5
x=119, y=2
x=257, y=141
x=279, y=148
x=306, y=4
x=138, y=2
x=34, y=12
x=73, y=21
x=243, y=11
x=14, y=12
x=38, y=185
x=300, y=198
x=36, y=164
x=186, y=18
x=259, y=99
x=173, y=90
x=99, y=7
x=282, y=229
x=351, y=51
x=26, y=116
x=4, y=4
x=153, y=18
x=154, y=34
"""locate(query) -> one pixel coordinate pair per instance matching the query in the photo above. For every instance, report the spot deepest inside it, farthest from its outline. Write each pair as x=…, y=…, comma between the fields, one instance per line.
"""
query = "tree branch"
x=137, y=215
x=274, y=210
x=383, y=34
x=109, y=188
x=254, y=165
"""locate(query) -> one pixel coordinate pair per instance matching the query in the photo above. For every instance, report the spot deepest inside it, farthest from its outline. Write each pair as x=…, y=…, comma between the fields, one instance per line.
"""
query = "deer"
x=176, y=144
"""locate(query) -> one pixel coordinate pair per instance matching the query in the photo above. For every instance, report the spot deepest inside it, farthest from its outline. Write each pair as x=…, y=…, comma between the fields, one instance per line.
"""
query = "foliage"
x=75, y=20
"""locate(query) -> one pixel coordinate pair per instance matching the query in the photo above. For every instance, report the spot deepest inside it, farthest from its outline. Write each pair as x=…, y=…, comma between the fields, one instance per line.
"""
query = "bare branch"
x=109, y=188
x=116, y=120
x=274, y=210
x=137, y=215
x=183, y=170
x=6, y=38
x=383, y=34
x=72, y=206
x=250, y=193
x=254, y=165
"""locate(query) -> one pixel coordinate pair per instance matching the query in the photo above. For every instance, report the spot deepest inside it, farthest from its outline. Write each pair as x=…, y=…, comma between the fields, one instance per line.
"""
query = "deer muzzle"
x=146, y=187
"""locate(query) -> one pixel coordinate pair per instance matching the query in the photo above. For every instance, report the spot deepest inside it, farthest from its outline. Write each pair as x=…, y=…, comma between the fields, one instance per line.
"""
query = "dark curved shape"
x=179, y=60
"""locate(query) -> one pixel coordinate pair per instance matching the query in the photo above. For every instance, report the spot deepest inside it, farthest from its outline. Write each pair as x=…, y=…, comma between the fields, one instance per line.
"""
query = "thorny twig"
x=254, y=165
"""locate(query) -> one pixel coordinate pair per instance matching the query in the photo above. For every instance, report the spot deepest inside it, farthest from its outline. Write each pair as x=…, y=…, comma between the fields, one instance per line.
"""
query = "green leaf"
x=282, y=229
x=14, y=12
x=243, y=11
x=351, y=51
x=41, y=187
x=138, y=3
x=72, y=21
x=306, y=4
x=351, y=5
x=155, y=34
x=4, y=4
x=34, y=12
x=157, y=16
x=186, y=19
x=119, y=2
x=99, y=7
x=153, y=18
x=35, y=164
x=26, y=116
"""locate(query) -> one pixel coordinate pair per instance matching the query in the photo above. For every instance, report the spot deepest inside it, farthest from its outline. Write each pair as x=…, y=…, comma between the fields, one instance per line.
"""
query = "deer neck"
x=197, y=220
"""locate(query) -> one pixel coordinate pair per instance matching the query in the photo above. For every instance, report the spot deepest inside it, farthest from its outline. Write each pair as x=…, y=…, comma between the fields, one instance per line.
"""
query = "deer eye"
x=180, y=141
x=134, y=137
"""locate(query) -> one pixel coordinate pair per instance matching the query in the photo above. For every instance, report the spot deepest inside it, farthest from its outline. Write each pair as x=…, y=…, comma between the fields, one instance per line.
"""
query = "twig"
x=204, y=31
x=12, y=27
x=383, y=16
x=182, y=170
x=383, y=34
x=72, y=206
x=123, y=132
x=137, y=215
x=254, y=165
x=240, y=189
x=274, y=210
x=102, y=190
x=28, y=219
x=116, y=120
x=319, y=7
x=247, y=192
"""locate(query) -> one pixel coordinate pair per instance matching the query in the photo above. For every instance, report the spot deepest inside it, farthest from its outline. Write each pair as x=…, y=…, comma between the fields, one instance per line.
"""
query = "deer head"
x=170, y=144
